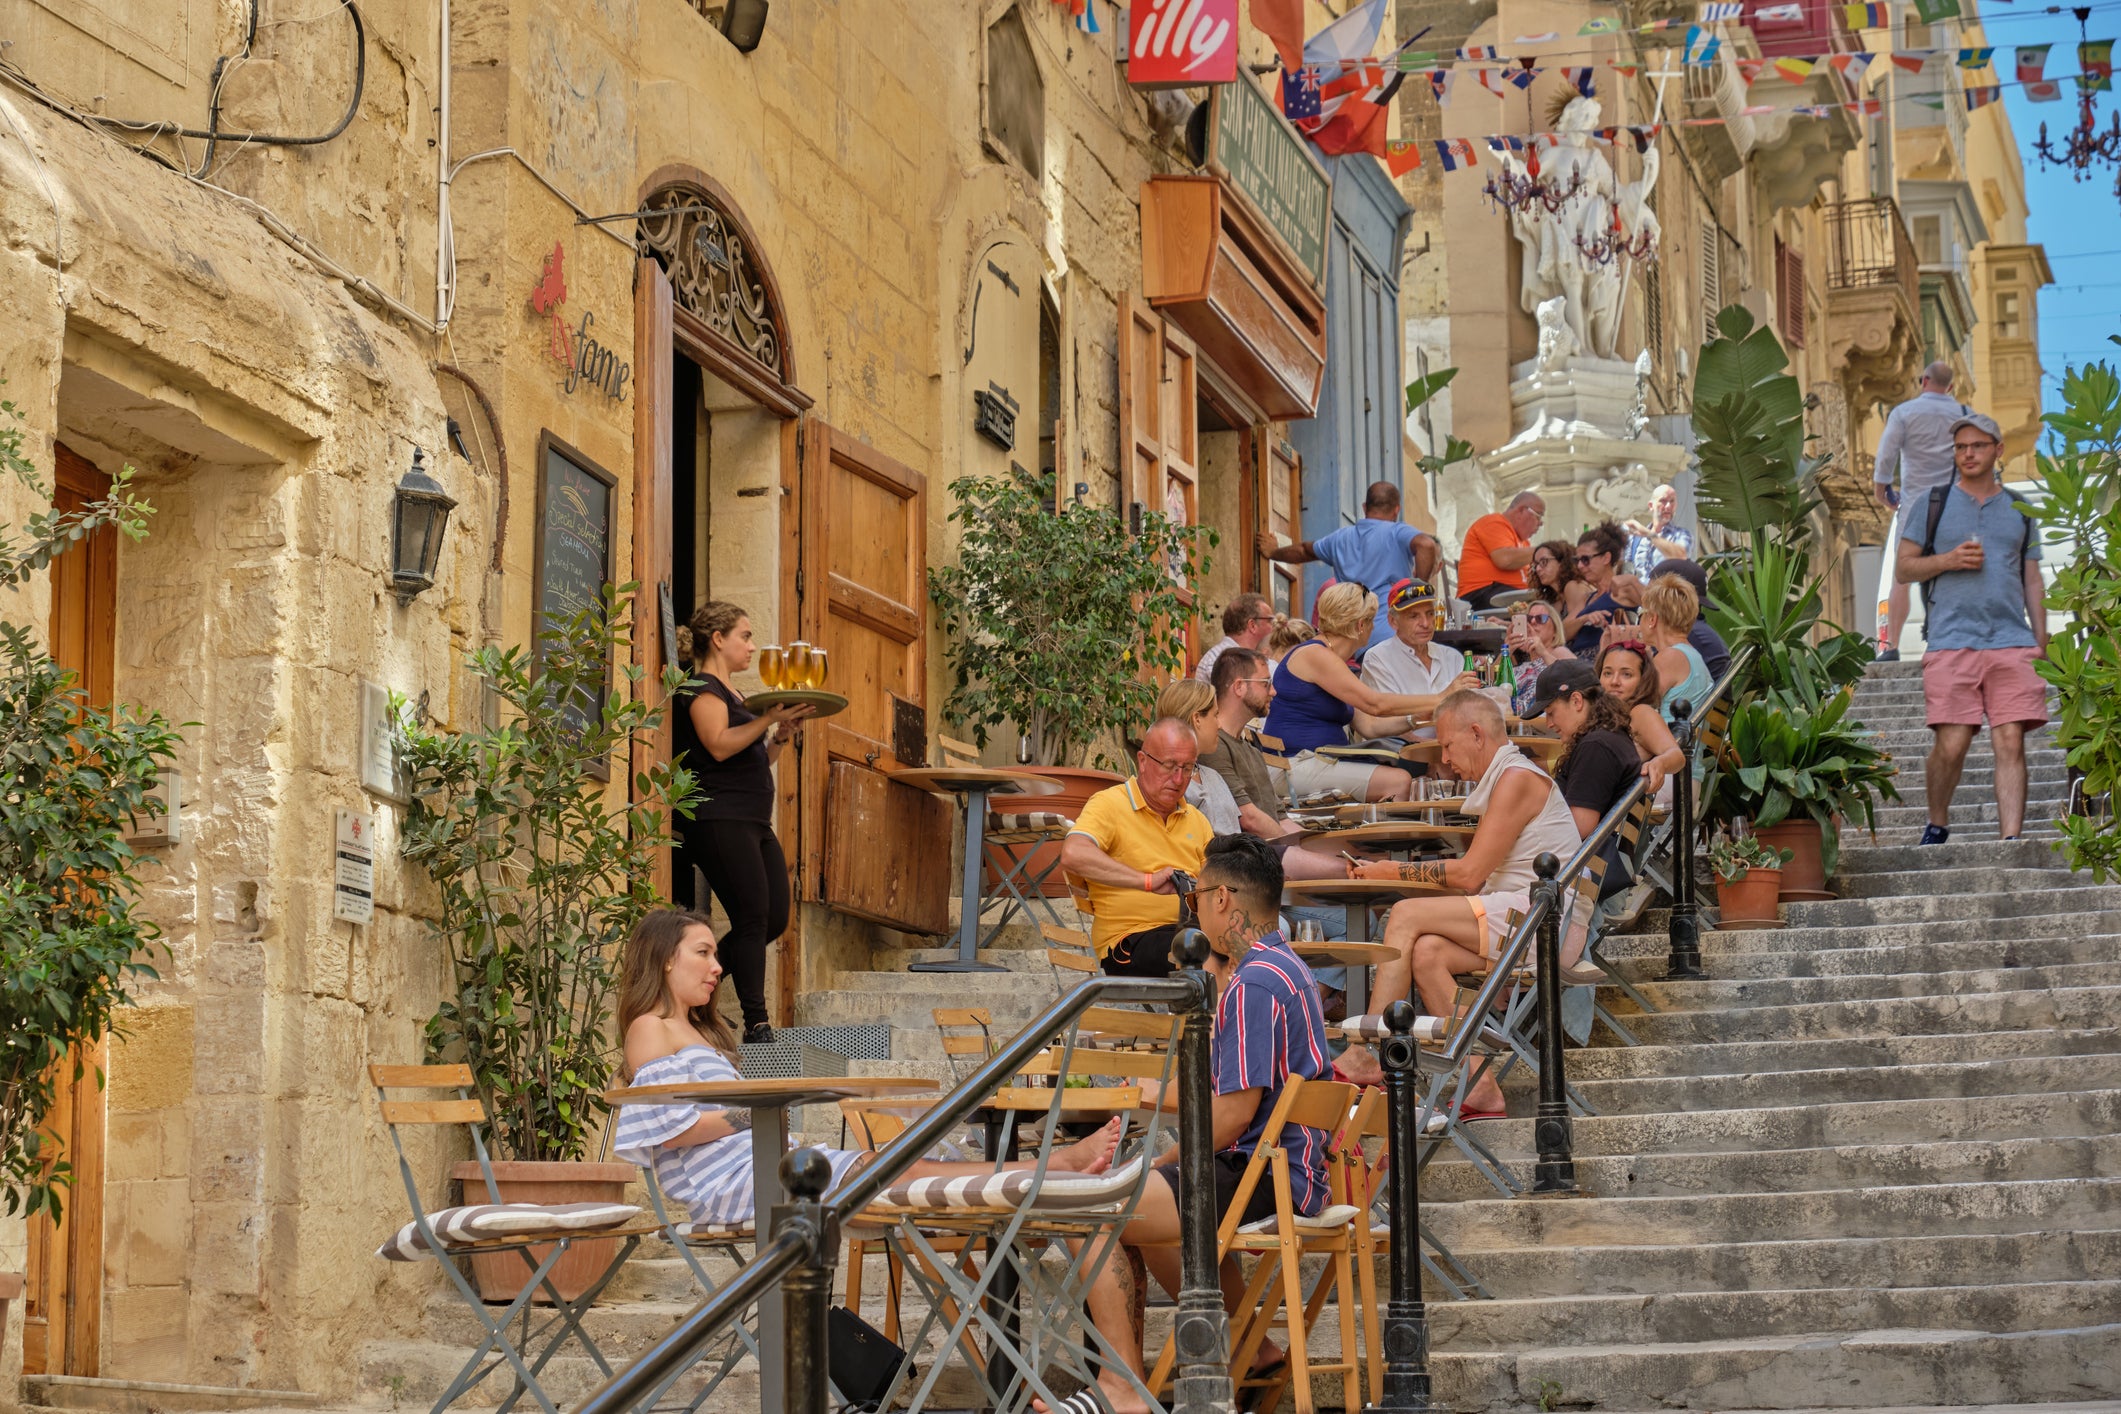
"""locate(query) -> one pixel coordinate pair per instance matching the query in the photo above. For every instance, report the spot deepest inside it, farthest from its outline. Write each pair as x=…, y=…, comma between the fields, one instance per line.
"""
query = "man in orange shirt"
x=1497, y=549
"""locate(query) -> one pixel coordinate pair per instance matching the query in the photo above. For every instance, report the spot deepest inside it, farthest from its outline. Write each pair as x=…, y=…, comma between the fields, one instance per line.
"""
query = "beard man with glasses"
x=1128, y=842
x=1986, y=625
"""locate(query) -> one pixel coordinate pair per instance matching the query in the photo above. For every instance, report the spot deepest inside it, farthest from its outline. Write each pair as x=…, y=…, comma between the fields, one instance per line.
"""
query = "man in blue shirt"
x=1377, y=551
x=1268, y=1027
x=1918, y=440
x=1987, y=624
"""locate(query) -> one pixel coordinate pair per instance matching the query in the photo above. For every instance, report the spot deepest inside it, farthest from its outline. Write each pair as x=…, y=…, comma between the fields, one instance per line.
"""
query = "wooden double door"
x=853, y=574
x=63, y=1285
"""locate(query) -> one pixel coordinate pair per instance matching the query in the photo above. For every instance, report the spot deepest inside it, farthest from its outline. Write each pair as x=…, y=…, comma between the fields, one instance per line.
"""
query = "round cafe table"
x=769, y=1101
x=1358, y=897
x=1389, y=834
x=973, y=786
x=1542, y=749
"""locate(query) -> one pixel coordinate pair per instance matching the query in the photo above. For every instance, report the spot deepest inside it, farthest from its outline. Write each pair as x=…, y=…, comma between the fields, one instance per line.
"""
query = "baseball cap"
x=1568, y=675
x=1980, y=421
x=1410, y=594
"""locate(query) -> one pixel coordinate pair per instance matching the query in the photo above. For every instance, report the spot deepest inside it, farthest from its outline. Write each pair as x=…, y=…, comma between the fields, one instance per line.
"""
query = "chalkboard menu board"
x=573, y=552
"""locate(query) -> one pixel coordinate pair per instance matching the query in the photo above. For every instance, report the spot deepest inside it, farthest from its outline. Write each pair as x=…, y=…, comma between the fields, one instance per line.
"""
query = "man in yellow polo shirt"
x=1126, y=842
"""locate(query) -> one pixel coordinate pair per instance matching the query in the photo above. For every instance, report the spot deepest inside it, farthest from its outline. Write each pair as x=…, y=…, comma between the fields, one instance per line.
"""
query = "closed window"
x=1016, y=94
x=2007, y=323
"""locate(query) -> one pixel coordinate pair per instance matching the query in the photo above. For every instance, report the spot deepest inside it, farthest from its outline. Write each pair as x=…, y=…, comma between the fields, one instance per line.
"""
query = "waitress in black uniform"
x=730, y=750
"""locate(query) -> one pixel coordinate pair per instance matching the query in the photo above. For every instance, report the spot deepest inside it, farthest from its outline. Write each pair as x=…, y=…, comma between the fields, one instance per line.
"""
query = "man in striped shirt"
x=1268, y=1026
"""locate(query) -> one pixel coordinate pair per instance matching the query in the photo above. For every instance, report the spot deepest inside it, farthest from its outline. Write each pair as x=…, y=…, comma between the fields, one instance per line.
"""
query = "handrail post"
x=806, y=1291
x=1202, y=1331
x=1406, y=1322
x=1684, y=962
x=1556, y=1169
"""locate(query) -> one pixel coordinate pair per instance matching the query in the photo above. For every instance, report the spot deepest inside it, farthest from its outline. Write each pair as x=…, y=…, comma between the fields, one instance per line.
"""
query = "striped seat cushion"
x=1009, y=1190
x=479, y=1222
x=709, y=1232
x=1373, y=1028
x=1330, y=1219
x=1029, y=820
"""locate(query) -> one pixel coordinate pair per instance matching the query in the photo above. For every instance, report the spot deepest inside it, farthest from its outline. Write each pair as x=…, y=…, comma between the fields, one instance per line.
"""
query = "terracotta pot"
x=1804, y=877
x=1077, y=785
x=500, y=1275
x=1749, y=900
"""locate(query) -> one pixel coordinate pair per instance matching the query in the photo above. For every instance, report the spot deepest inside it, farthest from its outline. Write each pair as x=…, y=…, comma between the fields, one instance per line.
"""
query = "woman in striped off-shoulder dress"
x=701, y=1154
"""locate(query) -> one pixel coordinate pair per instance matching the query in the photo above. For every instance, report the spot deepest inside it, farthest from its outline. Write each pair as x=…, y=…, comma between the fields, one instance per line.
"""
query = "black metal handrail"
x=804, y=1244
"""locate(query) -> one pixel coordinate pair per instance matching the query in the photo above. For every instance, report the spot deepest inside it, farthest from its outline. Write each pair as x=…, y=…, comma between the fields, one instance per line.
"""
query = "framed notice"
x=573, y=551
x=1272, y=168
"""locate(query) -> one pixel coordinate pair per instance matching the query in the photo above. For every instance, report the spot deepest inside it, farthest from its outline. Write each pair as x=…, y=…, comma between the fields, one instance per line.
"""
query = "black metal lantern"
x=419, y=515
x=744, y=23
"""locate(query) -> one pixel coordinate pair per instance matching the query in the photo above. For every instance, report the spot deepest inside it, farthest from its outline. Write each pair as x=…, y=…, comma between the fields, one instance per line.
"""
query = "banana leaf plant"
x=1784, y=760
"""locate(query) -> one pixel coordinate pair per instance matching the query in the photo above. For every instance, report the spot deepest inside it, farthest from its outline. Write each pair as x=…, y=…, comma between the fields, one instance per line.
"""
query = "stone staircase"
x=1873, y=1162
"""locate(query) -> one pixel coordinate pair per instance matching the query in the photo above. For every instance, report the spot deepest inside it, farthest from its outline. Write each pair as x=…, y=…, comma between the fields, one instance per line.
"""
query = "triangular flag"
x=1604, y=24
x=1492, y=80
x=1402, y=157
x=1522, y=78
x=1980, y=95
x=1794, y=69
x=1976, y=58
x=1456, y=152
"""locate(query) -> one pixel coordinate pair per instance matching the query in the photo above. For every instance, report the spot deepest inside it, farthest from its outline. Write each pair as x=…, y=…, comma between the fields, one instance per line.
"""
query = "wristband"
x=1147, y=888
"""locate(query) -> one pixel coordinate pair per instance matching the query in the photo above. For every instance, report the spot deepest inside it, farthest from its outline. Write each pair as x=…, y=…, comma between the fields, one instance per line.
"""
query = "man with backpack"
x=1971, y=548
x=1918, y=440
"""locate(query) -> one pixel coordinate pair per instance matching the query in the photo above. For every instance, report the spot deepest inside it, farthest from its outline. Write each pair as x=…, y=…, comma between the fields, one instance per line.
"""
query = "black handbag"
x=860, y=1358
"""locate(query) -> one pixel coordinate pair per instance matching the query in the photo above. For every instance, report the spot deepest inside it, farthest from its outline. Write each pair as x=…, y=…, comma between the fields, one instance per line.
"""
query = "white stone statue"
x=1553, y=265
x=1623, y=489
x=1557, y=341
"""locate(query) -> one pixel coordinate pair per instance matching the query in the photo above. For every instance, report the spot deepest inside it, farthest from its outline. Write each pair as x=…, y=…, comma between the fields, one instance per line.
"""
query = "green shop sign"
x=1272, y=167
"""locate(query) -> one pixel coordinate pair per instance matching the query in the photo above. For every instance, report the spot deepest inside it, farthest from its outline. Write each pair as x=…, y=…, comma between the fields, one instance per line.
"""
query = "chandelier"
x=2084, y=144
x=1613, y=244
x=1523, y=190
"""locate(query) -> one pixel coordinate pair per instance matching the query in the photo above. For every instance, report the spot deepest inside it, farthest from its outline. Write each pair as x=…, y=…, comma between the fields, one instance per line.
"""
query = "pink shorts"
x=1969, y=686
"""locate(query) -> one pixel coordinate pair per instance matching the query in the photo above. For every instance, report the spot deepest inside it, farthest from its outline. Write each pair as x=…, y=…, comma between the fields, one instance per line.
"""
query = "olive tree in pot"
x=543, y=868
x=1063, y=621
x=73, y=776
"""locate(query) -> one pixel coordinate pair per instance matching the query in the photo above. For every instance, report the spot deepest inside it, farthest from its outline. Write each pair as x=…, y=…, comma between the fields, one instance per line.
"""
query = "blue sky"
x=2078, y=222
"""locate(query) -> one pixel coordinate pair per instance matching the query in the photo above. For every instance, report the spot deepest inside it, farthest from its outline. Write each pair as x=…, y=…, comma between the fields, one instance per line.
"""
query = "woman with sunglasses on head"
x=1627, y=673
x=1534, y=642
x=1554, y=578
x=1599, y=554
x=1669, y=609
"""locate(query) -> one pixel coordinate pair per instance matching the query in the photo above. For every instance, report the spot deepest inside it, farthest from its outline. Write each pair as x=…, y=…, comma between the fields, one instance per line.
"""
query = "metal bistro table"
x=972, y=785
x=1358, y=897
x=769, y=1102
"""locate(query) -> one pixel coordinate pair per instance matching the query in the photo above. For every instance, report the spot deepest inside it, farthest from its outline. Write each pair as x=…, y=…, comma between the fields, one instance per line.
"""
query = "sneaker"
x=1890, y=655
x=762, y=1034
x=1936, y=834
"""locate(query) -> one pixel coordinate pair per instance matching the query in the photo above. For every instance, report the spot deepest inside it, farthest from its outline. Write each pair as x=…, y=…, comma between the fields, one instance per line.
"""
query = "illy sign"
x=1179, y=43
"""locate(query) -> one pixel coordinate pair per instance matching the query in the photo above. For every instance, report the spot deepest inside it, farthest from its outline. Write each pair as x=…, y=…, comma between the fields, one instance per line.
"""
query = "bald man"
x=1377, y=551
x=1128, y=842
x=1918, y=440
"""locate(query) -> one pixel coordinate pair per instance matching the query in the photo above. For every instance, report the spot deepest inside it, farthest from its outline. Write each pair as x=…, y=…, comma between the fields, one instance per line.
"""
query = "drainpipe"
x=442, y=236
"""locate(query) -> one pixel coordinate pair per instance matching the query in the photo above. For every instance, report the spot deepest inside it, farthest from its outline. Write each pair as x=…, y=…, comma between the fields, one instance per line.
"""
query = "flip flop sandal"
x=1083, y=1401
x=1467, y=1116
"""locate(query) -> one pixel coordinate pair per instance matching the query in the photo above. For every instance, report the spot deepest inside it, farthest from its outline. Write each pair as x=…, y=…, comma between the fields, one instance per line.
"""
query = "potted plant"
x=73, y=778
x=1796, y=774
x=541, y=876
x=1748, y=881
x=1063, y=621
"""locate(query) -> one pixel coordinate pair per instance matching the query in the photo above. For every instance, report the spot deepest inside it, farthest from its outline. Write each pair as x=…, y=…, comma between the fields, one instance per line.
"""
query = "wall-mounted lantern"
x=419, y=516
x=743, y=23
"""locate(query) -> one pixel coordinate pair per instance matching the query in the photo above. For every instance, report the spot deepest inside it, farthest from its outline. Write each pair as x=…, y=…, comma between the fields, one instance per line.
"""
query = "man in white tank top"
x=1522, y=815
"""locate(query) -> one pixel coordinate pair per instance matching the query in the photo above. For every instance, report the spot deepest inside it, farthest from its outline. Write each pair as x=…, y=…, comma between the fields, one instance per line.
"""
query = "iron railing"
x=1868, y=246
x=1405, y=1328
x=803, y=1249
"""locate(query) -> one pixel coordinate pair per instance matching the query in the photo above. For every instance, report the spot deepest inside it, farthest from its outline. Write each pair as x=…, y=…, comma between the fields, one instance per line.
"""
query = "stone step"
x=1898, y=957
x=1885, y=1016
x=1792, y=940
x=1858, y=1055
x=1976, y=879
x=112, y=1396
x=2057, y=1255
x=2035, y=828
x=1860, y=857
x=1603, y=1320
x=1915, y=1209
x=1838, y=1368
x=2016, y=1076
x=1725, y=995
x=1947, y=902
x=1674, y=1173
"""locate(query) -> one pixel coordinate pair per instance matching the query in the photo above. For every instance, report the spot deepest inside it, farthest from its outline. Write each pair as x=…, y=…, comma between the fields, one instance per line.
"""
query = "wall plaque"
x=573, y=551
x=1269, y=164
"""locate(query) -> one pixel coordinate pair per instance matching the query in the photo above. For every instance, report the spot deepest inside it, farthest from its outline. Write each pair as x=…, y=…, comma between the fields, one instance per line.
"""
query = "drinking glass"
x=798, y=664
x=1310, y=930
x=815, y=677
x=773, y=667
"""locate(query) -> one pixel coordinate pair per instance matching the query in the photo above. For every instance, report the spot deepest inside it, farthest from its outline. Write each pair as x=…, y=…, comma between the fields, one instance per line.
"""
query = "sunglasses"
x=1587, y=559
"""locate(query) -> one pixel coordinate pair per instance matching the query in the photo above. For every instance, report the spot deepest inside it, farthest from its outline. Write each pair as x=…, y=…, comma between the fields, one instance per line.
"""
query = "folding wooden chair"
x=1281, y=1242
x=1010, y=842
x=1070, y=956
x=873, y=1123
x=957, y=1025
x=1277, y=759
x=538, y=1233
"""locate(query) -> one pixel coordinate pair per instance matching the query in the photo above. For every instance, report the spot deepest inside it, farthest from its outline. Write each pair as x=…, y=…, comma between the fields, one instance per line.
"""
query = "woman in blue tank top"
x=1669, y=607
x=1316, y=697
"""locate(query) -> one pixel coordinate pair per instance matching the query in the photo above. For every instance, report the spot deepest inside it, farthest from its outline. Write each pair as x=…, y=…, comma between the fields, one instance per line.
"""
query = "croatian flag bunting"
x=1456, y=152
x=1440, y=82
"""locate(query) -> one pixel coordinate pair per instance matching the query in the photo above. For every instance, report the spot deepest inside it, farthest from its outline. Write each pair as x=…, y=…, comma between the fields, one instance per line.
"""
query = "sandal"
x=1083, y=1401
x=1468, y=1115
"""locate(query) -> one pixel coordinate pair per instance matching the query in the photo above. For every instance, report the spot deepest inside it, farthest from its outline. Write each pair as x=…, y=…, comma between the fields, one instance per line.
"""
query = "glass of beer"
x=773, y=667
x=815, y=678
x=797, y=662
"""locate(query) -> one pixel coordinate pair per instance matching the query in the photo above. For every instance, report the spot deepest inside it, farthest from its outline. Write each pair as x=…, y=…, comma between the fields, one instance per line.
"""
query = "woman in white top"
x=1522, y=816
x=701, y=1154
